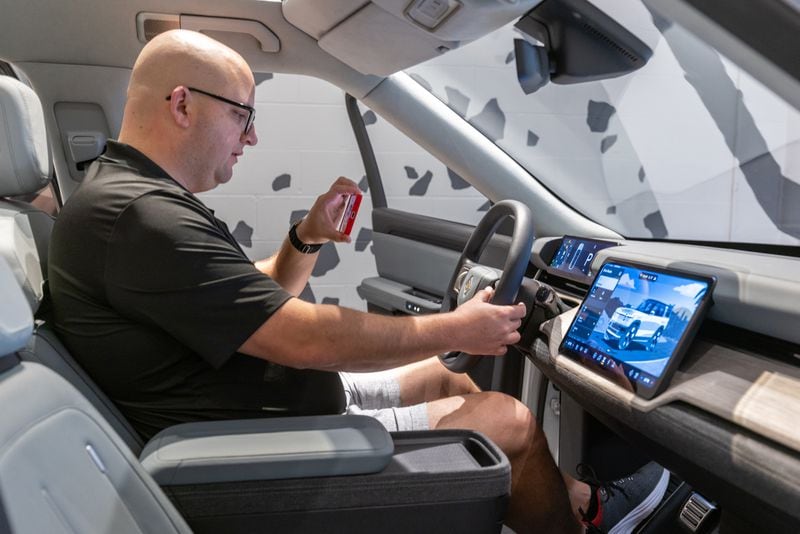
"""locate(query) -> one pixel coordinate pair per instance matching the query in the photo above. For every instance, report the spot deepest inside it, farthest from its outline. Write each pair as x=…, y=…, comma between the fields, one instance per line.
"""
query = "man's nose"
x=251, y=138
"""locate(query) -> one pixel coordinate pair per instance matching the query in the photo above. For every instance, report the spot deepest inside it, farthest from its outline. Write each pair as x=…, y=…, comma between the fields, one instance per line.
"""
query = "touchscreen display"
x=636, y=321
x=575, y=256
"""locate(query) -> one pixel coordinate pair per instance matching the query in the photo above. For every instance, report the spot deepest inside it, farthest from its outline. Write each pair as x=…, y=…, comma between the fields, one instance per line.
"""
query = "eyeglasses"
x=251, y=111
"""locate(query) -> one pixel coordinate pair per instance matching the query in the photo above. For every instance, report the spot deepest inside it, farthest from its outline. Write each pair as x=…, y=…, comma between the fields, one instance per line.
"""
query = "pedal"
x=697, y=513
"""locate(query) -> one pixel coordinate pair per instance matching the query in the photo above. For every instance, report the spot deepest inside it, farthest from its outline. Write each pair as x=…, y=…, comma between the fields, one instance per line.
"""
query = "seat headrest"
x=16, y=319
x=24, y=158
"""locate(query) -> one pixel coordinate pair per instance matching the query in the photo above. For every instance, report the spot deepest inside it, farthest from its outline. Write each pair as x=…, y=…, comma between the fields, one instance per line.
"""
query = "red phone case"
x=349, y=216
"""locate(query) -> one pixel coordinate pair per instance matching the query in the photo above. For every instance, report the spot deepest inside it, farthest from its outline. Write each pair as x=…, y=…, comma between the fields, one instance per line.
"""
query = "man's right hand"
x=487, y=329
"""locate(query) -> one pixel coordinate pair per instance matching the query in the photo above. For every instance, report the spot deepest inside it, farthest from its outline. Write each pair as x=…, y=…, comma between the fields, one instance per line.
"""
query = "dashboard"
x=574, y=256
x=728, y=416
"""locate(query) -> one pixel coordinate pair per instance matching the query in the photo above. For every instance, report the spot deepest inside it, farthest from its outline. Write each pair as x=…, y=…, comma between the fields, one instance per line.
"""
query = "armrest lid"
x=264, y=449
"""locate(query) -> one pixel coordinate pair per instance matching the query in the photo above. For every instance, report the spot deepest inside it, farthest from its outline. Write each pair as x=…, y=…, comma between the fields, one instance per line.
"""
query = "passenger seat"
x=24, y=169
x=62, y=467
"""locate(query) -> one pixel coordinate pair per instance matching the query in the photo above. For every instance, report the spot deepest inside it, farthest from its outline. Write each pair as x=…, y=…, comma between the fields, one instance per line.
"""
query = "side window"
x=305, y=142
x=417, y=182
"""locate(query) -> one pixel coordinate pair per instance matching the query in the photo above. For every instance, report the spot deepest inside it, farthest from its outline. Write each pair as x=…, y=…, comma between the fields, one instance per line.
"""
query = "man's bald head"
x=181, y=129
x=182, y=57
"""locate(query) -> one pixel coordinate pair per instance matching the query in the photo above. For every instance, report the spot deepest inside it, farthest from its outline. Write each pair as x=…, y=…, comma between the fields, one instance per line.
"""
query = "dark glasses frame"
x=251, y=111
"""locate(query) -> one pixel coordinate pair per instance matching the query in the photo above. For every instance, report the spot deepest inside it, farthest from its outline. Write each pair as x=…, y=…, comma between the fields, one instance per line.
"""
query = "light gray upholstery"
x=62, y=467
x=25, y=162
x=266, y=449
x=24, y=169
x=15, y=327
x=24, y=238
x=45, y=348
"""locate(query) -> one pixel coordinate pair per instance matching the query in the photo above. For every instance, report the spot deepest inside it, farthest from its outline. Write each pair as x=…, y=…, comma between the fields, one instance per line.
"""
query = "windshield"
x=689, y=147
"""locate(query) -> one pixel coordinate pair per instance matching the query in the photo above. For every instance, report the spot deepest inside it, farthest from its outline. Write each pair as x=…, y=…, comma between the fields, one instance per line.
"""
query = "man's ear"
x=179, y=103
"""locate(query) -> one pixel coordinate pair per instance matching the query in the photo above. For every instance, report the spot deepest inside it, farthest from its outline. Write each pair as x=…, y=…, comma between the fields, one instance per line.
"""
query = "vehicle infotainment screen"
x=636, y=322
x=574, y=257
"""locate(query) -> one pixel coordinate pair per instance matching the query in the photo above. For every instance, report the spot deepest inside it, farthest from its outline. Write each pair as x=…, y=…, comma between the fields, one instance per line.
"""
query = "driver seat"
x=25, y=230
x=64, y=469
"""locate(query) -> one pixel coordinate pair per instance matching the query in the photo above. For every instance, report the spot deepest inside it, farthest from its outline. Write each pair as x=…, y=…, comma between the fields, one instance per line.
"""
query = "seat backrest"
x=62, y=466
x=45, y=348
x=25, y=237
x=24, y=169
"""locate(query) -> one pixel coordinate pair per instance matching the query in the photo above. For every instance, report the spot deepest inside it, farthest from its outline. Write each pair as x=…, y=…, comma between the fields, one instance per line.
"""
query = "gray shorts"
x=378, y=395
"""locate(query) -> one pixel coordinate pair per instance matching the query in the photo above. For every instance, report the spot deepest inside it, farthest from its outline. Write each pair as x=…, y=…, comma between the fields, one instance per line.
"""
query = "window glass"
x=688, y=147
x=415, y=181
x=304, y=143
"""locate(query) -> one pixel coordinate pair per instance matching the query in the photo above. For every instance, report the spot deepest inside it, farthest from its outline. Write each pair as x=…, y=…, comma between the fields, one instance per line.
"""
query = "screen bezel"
x=619, y=377
x=577, y=277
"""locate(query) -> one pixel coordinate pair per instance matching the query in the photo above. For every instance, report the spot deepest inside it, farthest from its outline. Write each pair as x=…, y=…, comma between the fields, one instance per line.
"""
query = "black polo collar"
x=125, y=155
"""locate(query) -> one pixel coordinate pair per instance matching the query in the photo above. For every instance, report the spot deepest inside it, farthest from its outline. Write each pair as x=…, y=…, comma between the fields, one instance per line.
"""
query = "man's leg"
x=435, y=397
x=429, y=380
x=539, y=499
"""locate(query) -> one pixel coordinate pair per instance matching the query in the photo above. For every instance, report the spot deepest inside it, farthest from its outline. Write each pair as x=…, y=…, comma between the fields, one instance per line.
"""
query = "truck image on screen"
x=644, y=324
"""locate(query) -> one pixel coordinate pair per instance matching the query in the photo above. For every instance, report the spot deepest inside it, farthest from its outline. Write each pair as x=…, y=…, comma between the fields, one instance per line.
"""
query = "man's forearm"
x=318, y=336
x=304, y=335
x=289, y=267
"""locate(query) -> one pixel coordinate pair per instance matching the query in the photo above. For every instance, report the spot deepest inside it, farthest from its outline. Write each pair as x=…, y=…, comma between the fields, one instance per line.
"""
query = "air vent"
x=564, y=285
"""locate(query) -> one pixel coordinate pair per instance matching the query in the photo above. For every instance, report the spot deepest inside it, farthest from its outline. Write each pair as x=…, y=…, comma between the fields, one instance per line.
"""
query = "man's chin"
x=223, y=178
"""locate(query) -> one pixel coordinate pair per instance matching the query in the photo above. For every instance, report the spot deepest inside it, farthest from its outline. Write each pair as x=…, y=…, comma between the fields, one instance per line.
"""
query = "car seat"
x=64, y=469
x=24, y=169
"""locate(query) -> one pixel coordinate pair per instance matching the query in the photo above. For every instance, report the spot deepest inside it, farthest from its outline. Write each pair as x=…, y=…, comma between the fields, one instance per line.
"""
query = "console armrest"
x=263, y=449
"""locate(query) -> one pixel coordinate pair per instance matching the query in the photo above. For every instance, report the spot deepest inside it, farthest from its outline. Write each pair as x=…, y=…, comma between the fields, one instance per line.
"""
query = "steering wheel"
x=469, y=276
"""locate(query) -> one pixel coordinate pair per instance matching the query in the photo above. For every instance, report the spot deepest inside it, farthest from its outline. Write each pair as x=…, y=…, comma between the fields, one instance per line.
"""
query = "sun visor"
x=381, y=37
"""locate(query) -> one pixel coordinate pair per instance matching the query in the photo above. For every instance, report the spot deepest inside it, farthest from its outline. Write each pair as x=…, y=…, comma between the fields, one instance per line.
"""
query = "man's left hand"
x=319, y=226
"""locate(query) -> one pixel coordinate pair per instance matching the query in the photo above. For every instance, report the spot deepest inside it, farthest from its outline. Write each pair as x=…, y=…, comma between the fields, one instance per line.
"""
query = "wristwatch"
x=305, y=248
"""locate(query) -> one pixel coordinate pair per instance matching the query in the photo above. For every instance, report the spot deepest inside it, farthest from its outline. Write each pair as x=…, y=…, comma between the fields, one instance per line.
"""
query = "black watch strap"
x=305, y=248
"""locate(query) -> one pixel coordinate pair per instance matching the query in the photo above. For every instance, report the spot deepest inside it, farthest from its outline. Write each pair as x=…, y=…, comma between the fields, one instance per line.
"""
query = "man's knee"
x=517, y=423
x=504, y=419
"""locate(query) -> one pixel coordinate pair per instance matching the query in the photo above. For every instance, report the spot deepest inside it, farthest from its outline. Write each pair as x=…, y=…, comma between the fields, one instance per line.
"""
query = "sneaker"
x=618, y=507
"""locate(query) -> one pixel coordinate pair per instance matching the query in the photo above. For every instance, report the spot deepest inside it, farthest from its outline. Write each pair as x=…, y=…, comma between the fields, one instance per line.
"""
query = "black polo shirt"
x=153, y=296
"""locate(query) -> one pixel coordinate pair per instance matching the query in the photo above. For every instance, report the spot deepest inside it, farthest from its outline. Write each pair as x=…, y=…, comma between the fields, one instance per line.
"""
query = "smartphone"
x=349, y=213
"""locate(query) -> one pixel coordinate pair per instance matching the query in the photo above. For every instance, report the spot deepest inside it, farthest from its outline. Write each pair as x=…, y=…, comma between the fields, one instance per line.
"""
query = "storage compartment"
x=437, y=481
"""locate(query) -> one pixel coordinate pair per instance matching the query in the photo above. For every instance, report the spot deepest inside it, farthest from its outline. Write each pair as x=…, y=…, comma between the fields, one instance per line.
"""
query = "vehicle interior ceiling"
x=725, y=426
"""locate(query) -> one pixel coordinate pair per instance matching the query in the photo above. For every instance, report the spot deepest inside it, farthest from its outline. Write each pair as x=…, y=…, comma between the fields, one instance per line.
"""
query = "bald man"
x=157, y=301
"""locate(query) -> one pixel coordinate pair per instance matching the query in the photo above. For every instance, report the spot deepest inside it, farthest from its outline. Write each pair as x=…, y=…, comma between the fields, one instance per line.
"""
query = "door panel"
x=416, y=263
x=415, y=256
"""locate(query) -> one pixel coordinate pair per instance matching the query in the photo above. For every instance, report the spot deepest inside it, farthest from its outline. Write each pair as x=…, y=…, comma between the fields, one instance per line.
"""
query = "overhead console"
x=381, y=37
